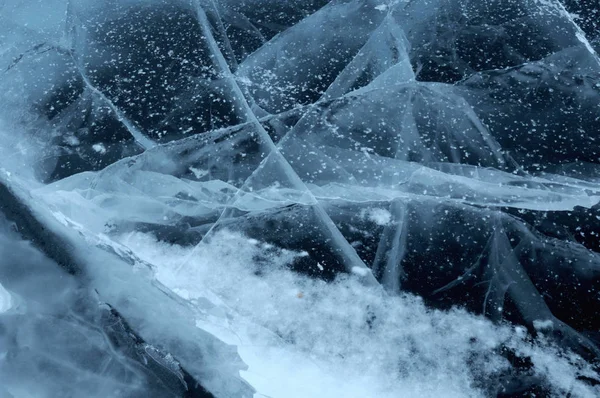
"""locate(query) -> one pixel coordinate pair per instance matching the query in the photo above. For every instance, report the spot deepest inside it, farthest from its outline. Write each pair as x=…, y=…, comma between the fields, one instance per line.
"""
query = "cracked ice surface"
x=299, y=198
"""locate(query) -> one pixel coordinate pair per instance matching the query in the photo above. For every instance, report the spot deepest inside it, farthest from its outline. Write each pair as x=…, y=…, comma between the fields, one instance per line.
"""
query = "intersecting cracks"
x=139, y=137
x=238, y=96
x=469, y=272
x=223, y=33
x=38, y=49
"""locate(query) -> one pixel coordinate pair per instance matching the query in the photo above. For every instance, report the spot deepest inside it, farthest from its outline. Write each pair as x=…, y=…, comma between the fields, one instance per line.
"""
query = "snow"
x=542, y=325
x=302, y=337
x=100, y=148
x=379, y=216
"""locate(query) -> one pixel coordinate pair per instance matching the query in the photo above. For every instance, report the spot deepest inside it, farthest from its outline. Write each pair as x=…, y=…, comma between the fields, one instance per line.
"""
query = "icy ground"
x=307, y=338
x=301, y=198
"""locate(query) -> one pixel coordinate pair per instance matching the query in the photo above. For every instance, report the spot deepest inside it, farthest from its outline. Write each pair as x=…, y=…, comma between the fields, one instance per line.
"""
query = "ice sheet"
x=364, y=198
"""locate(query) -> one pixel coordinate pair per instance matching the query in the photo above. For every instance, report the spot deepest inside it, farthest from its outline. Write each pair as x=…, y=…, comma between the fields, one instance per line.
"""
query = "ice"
x=48, y=348
x=119, y=277
x=322, y=198
x=301, y=63
x=5, y=300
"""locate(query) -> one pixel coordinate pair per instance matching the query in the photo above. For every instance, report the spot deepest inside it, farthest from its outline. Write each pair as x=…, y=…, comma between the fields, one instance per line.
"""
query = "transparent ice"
x=299, y=198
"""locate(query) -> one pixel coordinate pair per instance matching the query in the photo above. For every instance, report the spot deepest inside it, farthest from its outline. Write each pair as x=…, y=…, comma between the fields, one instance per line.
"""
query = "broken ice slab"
x=26, y=24
x=249, y=24
x=427, y=123
x=83, y=84
x=368, y=166
x=297, y=66
x=192, y=178
x=384, y=56
x=543, y=113
x=58, y=339
x=169, y=84
x=451, y=40
x=127, y=284
x=72, y=125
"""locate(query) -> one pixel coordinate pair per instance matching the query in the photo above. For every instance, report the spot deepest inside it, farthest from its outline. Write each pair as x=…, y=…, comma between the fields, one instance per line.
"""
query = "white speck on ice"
x=543, y=324
x=198, y=173
x=381, y=7
x=378, y=216
x=360, y=271
x=72, y=140
x=100, y=148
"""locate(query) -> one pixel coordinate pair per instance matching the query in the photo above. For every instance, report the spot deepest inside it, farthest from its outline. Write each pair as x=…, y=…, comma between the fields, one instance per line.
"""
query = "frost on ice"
x=388, y=198
x=5, y=300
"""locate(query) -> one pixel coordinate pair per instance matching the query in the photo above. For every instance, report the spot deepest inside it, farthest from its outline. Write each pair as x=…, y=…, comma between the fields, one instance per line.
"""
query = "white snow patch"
x=302, y=337
x=72, y=140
